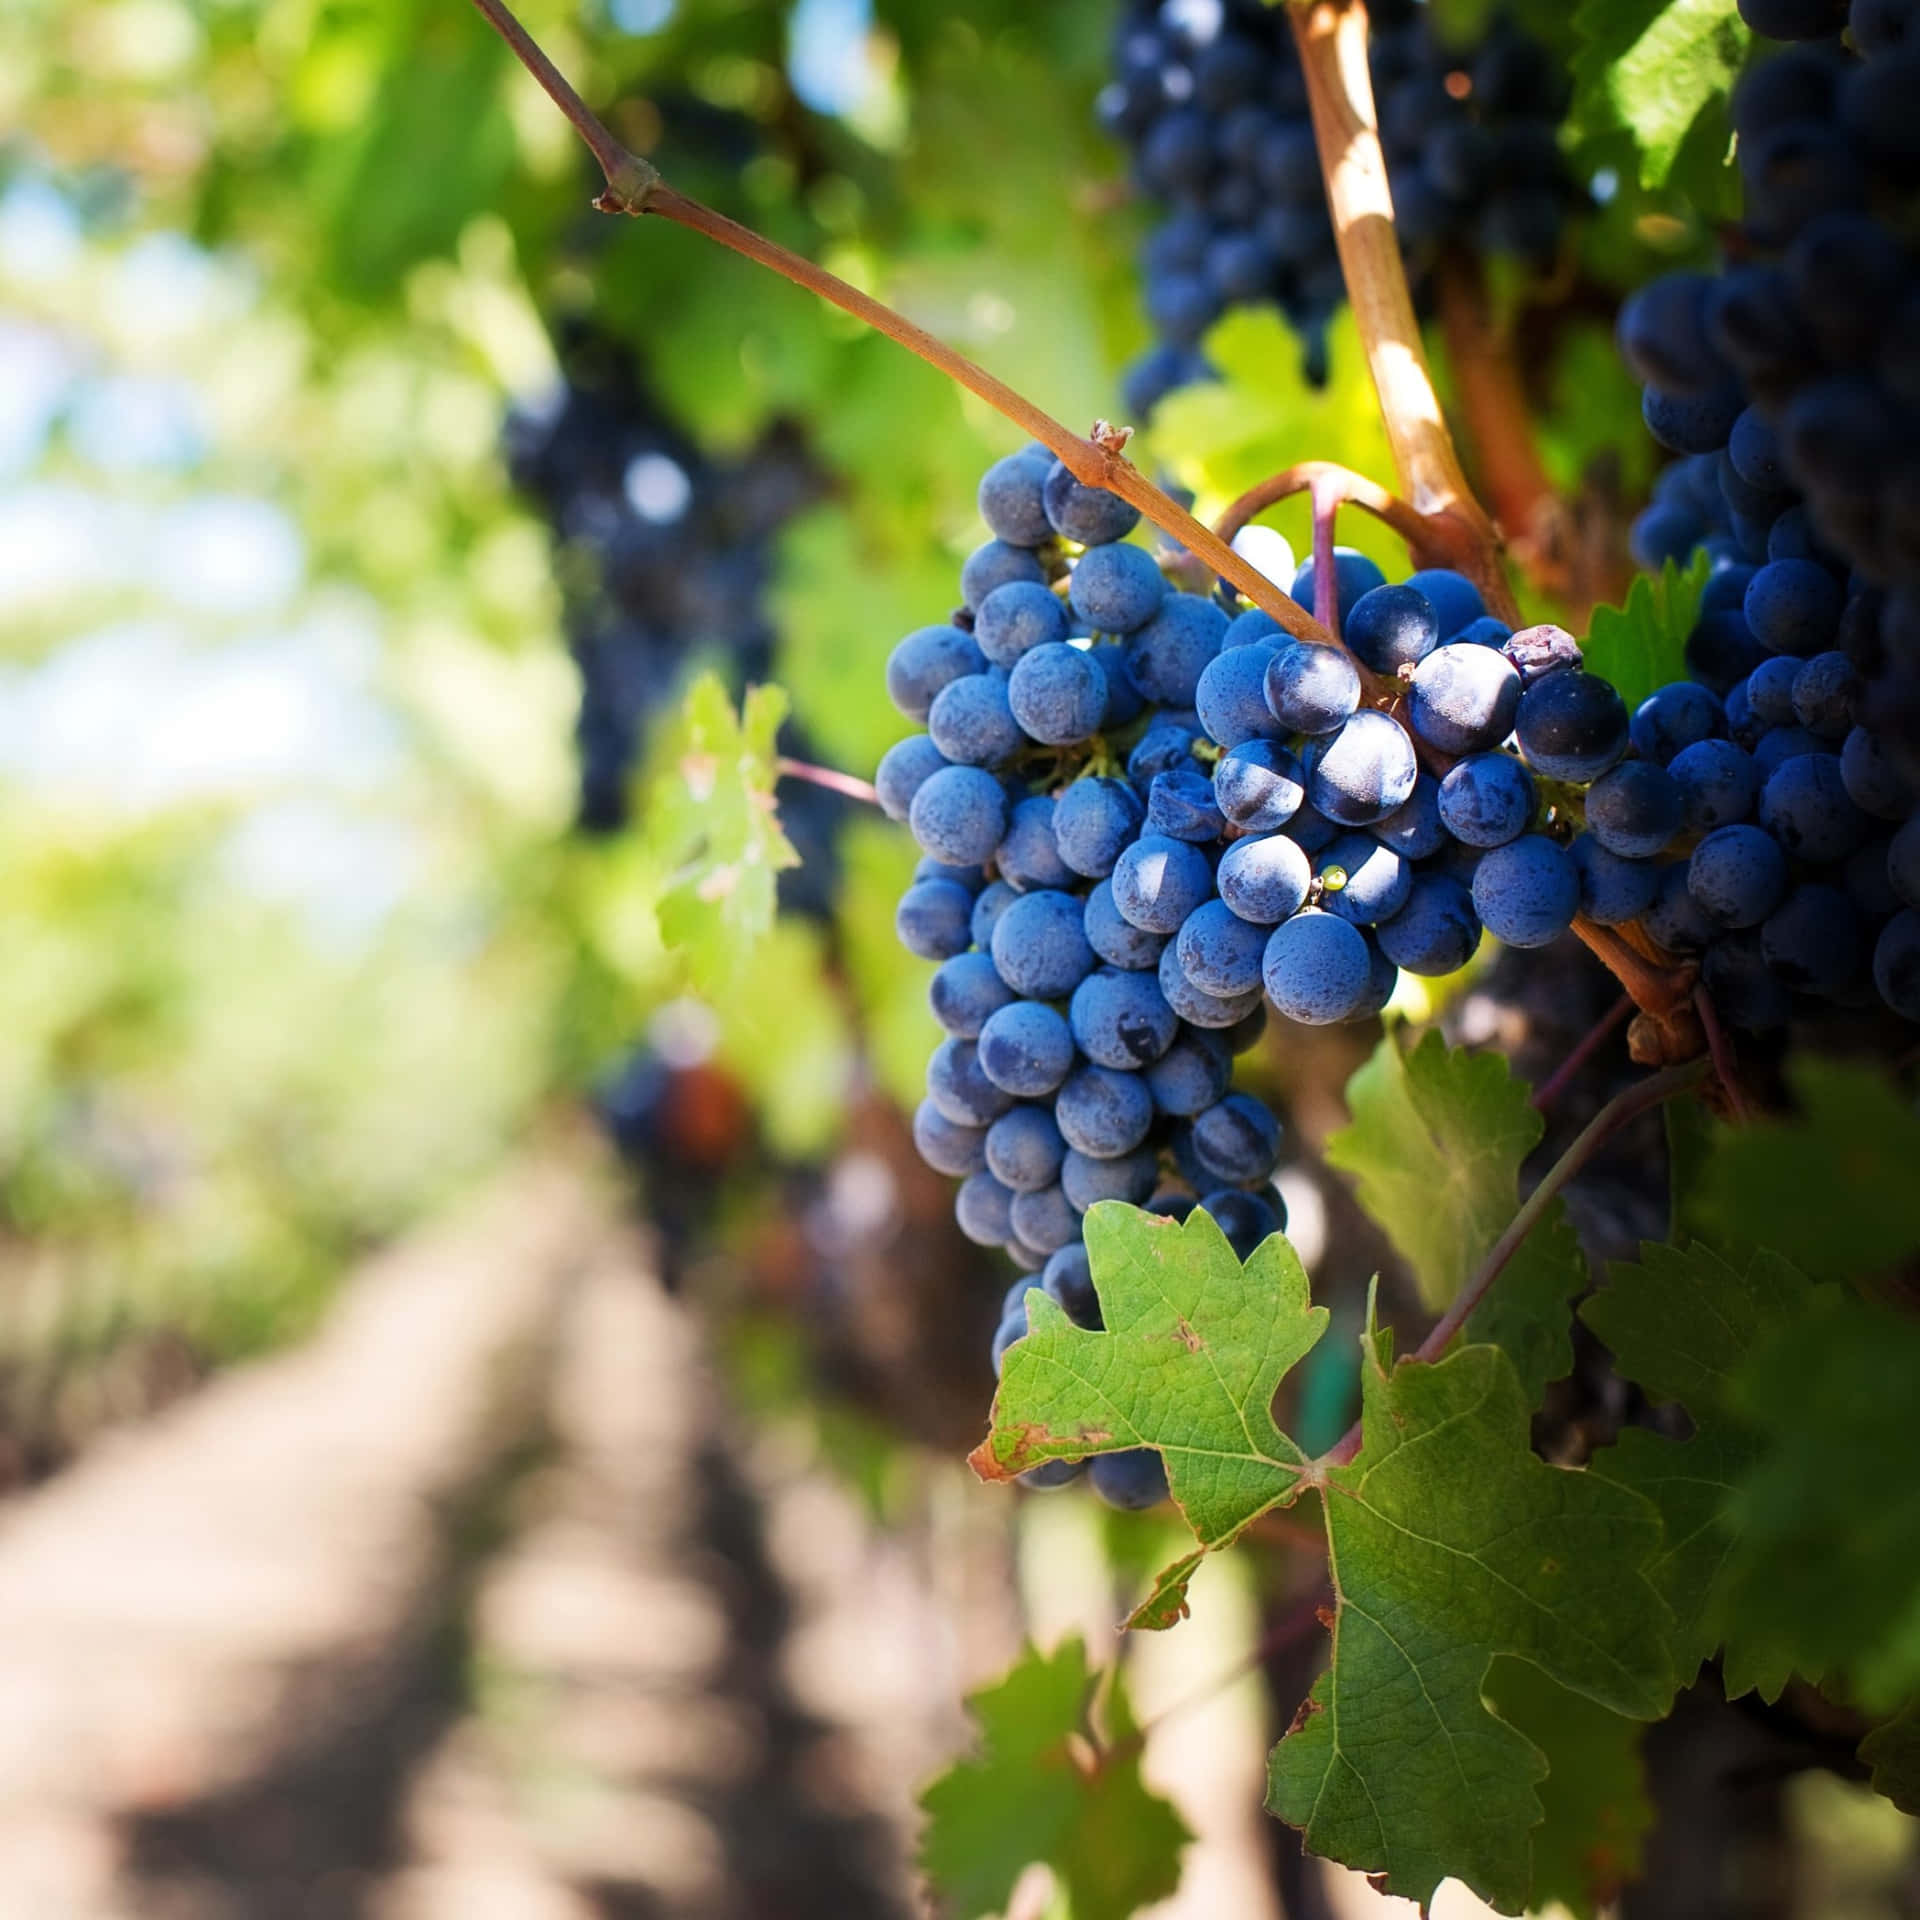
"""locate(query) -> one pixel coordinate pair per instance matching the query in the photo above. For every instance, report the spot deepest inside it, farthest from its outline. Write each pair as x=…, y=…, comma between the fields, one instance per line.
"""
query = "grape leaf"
x=1045, y=1789
x=1595, y=1793
x=1892, y=1750
x=1642, y=646
x=713, y=828
x=1449, y=1542
x=1832, y=1187
x=1195, y=1346
x=1653, y=67
x=1679, y=1323
x=1435, y=1147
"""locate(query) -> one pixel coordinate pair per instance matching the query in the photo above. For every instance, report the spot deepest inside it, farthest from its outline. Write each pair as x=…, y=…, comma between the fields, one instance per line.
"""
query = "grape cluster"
x=1209, y=98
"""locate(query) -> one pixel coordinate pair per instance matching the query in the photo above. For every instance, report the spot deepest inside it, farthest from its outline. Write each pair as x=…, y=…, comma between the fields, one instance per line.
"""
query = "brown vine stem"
x=635, y=187
x=1642, y=1097
x=1332, y=38
x=848, y=784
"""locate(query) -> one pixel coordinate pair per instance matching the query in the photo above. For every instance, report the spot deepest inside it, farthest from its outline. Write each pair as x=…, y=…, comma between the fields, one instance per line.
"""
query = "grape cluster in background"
x=1209, y=98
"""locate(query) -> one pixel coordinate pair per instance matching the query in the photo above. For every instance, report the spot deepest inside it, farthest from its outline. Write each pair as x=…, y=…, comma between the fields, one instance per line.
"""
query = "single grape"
x=1718, y=783
x=1067, y=1280
x=1051, y=1475
x=1436, y=932
x=1770, y=691
x=1237, y=1140
x=1392, y=627
x=1873, y=779
x=959, y=815
x=1903, y=862
x=1264, y=878
x=1484, y=632
x=1029, y=856
x=1805, y=806
x=1121, y=1019
x=1362, y=773
x=1116, y=589
x=973, y=878
x=1116, y=939
x=1571, y=725
x=1090, y=515
x=1024, y=1149
x=984, y=1209
x=1194, y=1004
x=1093, y=822
x=1316, y=968
x=1361, y=880
x=1025, y=1049
x=945, y=1145
x=1778, y=745
x=1896, y=964
x=1312, y=689
x=1016, y=618
x=1487, y=799
x=1045, y=1221
x=1057, y=694
x=1793, y=606
x=1455, y=600
x=904, y=769
x=1813, y=940
x=1130, y=1178
x=1181, y=806
x=1103, y=1112
x=1124, y=701
x=1824, y=694
x=1259, y=785
x=1414, y=829
x=1167, y=655
x=995, y=564
x=1192, y=1074
x=931, y=921
x=1354, y=576
x=1157, y=882
x=1464, y=698
x=1219, y=952
x=1231, y=697
x=1737, y=876
x=1011, y=500
x=1674, y=718
x=1133, y=1481
x=1613, y=888
x=964, y=991
x=994, y=899
x=924, y=662
x=1165, y=747
x=1040, y=945
x=1636, y=809
x=1526, y=892
x=1245, y=1218
x=1721, y=651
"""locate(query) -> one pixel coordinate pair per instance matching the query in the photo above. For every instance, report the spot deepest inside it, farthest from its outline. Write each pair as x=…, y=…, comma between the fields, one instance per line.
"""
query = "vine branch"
x=635, y=187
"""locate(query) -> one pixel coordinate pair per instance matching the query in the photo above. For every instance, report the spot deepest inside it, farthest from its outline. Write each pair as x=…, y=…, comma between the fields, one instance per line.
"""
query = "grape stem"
x=634, y=186
x=1589, y=1044
x=851, y=786
x=1332, y=39
x=1641, y=1097
x=1720, y=1052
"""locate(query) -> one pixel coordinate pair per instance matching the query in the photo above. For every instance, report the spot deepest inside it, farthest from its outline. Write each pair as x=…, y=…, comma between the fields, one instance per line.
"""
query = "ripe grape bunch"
x=1209, y=97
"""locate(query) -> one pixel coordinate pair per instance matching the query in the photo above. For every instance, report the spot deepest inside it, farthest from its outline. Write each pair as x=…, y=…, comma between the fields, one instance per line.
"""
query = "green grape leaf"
x=1595, y=1793
x=1045, y=1788
x=1195, y=1346
x=1450, y=1541
x=1892, y=1750
x=712, y=827
x=1679, y=1323
x=1653, y=67
x=1642, y=646
x=1435, y=1146
x=1832, y=1187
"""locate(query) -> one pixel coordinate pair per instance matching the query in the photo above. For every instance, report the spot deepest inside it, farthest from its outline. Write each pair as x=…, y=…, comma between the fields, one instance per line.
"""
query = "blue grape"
x=1662, y=334
x=1132, y=1481
x=1157, y=882
x=1181, y=806
x=1195, y=1005
x=1029, y=856
x=971, y=722
x=1636, y=809
x=1794, y=606
x=1025, y=1049
x=932, y=919
x=1464, y=698
x=964, y=991
x=1487, y=799
x=1313, y=831
x=1865, y=874
x=1675, y=918
x=904, y=768
x=1896, y=964
x=1013, y=1326
x=1121, y=1018
x=1265, y=878
x=1874, y=782
x=1805, y=806
x=1116, y=589
x=1171, y=1204
x=945, y=1145
x=1231, y=697
x=1455, y=600
x=1813, y=940
x=1050, y=1475
x=1103, y=1112
x=1115, y=938
x=1903, y=862
x=1219, y=952
x=1391, y=627
x=1192, y=1074
x=1354, y=577
x=1015, y=619
x=1312, y=689
x=1090, y=515
x=1770, y=691
x=972, y=878
x=1362, y=773
x=1737, y=876
x=1011, y=501
x=1718, y=783
x=1237, y=1140
x=1414, y=829
x=1093, y=822
x=1382, y=977
x=1720, y=652
x=1778, y=745
x=1691, y=423
x=1067, y=1280
x=995, y=564
x=1825, y=691
x=1613, y=888
x=984, y=1209
x=1057, y=694
x=1040, y=945
x=1436, y=932
x=1167, y=655
x=1484, y=632
x=1165, y=747
x=1259, y=785
x=959, y=815
x=1745, y=993
x=994, y=899
x=1362, y=881
x=1526, y=892
x=960, y=1089
x=1128, y=1177
x=1245, y=1218
x=1045, y=1221
x=1571, y=725
x=1124, y=703
x=924, y=662
x=1024, y=1149
x=1316, y=968
x=1254, y=628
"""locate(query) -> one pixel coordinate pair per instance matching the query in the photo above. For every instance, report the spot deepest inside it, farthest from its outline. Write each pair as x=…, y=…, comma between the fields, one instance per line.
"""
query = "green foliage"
x=1892, y=1750
x=1048, y=1787
x=1831, y=1188
x=1442, y=1556
x=1435, y=1145
x=1653, y=67
x=1642, y=645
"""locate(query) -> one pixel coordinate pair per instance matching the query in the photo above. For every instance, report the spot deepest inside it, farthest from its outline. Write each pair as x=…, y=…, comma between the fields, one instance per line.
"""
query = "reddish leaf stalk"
x=850, y=785
x=1590, y=1043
